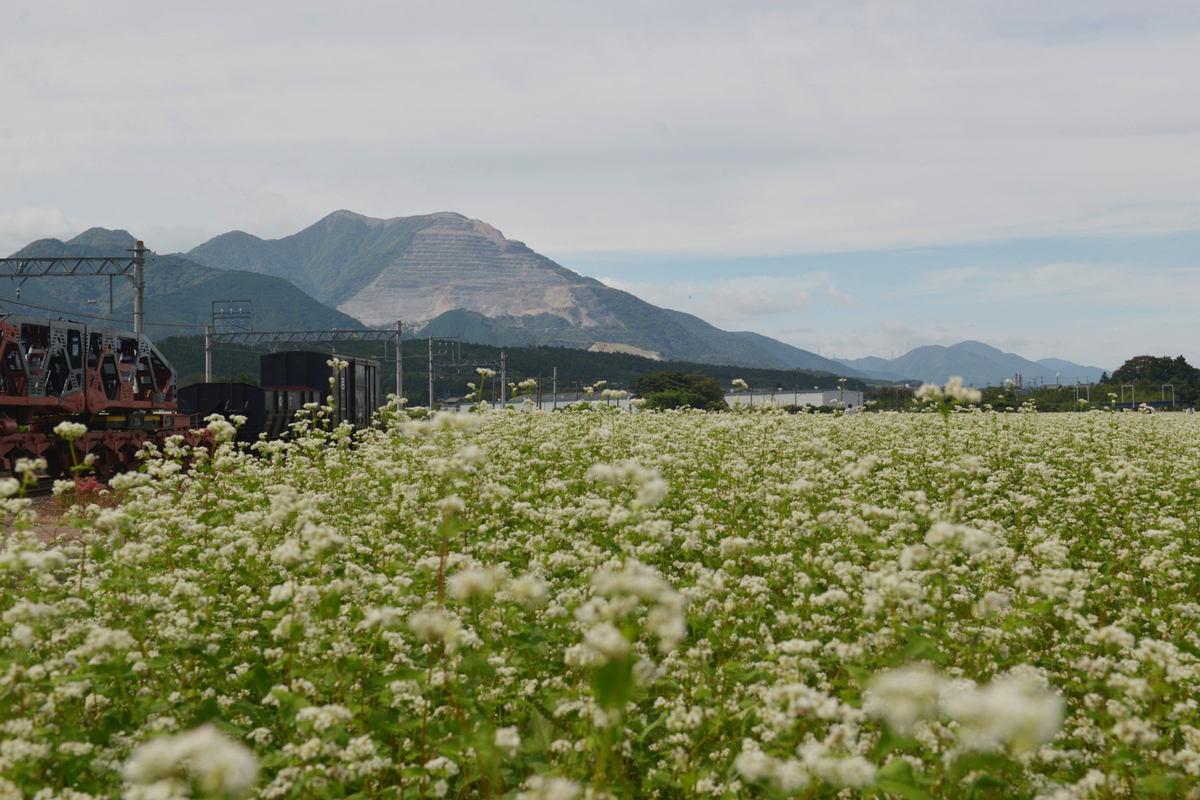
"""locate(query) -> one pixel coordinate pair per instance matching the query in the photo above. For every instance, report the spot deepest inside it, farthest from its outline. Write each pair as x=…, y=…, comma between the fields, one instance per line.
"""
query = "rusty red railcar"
x=115, y=382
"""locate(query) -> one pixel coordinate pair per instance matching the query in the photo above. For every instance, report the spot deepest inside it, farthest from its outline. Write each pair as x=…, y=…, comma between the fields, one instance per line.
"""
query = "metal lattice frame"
x=272, y=338
x=22, y=269
x=232, y=316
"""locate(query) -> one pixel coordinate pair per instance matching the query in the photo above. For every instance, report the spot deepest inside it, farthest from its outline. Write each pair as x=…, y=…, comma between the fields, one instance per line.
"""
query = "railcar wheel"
x=128, y=457
x=105, y=461
x=54, y=462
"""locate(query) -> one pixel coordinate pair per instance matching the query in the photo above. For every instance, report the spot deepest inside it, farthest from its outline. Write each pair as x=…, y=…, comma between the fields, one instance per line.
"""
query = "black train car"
x=268, y=411
x=202, y=399
x=283, y=404
x=355, y=396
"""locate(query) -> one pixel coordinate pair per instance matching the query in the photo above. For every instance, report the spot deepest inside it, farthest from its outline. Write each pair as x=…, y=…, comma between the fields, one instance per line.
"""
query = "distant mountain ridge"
x=178, y=291
x=976, y=363
x=447, y=274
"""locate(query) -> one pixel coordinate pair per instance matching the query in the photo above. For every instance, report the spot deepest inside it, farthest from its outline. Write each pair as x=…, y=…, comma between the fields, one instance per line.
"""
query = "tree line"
x=576, y=367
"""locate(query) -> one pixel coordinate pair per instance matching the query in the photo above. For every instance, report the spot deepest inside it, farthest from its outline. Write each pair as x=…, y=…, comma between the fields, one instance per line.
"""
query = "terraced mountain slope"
x=450, y=275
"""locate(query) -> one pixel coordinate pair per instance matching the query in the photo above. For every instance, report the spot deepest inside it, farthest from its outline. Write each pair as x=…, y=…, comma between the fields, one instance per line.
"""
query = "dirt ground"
x=49, y=513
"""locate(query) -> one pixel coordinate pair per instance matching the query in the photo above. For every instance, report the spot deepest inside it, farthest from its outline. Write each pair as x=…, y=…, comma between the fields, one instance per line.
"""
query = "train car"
x=356, y=394
x=115, y=382
x=283, y=403
x=290, y=381
x=267, y=411
x=227, y=399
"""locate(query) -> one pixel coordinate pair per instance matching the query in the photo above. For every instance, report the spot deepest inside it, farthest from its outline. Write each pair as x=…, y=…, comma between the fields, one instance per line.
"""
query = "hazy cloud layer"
x=747, y=127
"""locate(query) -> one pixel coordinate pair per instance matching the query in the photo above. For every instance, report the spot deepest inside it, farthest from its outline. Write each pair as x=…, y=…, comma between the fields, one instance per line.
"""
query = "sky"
x=856, y=178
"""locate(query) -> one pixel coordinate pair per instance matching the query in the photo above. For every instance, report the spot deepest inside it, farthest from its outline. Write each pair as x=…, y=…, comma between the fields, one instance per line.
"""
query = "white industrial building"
x=835, y=398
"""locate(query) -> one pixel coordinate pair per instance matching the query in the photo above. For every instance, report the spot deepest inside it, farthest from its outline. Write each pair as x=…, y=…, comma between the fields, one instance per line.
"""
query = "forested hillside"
x=178, y=291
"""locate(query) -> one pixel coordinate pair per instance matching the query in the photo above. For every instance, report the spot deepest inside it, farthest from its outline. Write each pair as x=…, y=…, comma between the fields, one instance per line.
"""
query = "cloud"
x=796, y=335
x=841, y=298
x=1098, y=284
x=725, y=302
x=739, y=128
x=22, y=226
x=955, y=278
x=894, y=327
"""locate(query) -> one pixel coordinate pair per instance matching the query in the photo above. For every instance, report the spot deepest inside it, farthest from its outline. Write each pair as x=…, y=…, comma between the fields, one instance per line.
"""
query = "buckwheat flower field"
x=597, y=603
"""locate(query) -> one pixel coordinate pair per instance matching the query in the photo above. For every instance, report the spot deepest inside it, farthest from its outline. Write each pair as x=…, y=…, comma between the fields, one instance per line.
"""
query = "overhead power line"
x=112, y=317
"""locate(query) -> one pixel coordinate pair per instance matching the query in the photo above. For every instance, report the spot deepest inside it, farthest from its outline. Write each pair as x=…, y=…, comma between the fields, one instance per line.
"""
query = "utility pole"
x=208, y=353
x=556, y=388
x=503, y=382
x=399, y=360
x=431, y=374
x=139, y=287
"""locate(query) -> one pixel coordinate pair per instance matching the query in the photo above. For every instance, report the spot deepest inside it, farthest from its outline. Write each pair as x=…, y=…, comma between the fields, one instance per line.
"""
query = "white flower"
x=929, y=392
x=601, y=644
x=222, y=430
x=1112, y=636
x=961, y=394
x=508, y=740
x=967, y=539
x=69, y=430
x=324, y=717
x=451, y=505
x=471, y=582
x=541, y=788
x=215, y=764
x=529, y=590
x=1008, y=712
x=433, y=624
x=1136, y=732
x=904, y=696
x=754, y=765
x=385, y=617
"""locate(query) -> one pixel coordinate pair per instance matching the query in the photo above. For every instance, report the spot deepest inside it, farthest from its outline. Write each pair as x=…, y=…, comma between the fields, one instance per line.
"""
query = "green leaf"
x=984, y=782
x=861, y=675
x=888, y=742
x=331, y=603
x=641, y=737
x=1157, y=785
x=614, y=683
x=979, y=762
x=903, y=789
x=539, y=734
x=896, y=770
x=1187, y=647
x=921, y=647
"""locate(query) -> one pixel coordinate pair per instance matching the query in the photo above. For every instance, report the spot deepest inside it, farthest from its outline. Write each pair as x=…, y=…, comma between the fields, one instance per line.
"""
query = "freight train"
x=113, y=381
x=290, y=380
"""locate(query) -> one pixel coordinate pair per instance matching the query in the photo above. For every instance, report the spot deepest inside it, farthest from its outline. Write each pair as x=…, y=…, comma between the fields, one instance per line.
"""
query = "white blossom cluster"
x=595, y=603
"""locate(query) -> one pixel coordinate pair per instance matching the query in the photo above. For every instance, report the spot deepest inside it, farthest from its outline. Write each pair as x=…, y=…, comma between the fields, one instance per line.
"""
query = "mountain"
x=976, y=363
x=332, y=260
x=450, y=275
x=178, y=291
x=1072, y=372
x=795, y=358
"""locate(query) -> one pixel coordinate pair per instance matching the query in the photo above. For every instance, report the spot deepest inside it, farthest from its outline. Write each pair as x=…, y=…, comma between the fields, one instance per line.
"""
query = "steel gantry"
x=22, y=269
x=449, y=351
x=271, y=338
